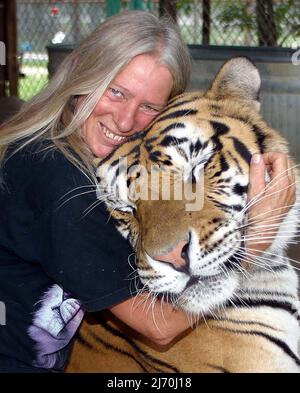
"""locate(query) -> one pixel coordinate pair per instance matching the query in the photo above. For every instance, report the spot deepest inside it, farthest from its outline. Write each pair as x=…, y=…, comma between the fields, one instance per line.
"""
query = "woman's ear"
x=238, y=79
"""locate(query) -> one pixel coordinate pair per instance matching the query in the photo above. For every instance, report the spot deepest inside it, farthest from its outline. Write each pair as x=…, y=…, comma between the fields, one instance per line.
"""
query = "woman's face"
x=133, y=99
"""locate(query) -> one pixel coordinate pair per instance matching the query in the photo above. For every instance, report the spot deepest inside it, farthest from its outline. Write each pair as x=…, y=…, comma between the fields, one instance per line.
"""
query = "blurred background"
x=29, y=27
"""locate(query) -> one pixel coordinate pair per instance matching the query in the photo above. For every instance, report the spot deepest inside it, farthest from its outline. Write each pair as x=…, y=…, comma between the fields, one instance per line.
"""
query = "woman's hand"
x=273, y=199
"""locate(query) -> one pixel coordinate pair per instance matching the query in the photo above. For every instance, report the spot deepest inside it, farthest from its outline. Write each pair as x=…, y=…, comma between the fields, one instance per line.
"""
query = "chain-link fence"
x=42, y=22
x=240, y=22
x=210, y=22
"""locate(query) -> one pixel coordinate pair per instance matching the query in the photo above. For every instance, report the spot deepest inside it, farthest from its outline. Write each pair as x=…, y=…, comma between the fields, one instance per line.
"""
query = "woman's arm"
x=161, y=323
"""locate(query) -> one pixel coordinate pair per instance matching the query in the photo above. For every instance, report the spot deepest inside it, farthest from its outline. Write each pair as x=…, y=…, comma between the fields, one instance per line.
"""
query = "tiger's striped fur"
x=252, y=310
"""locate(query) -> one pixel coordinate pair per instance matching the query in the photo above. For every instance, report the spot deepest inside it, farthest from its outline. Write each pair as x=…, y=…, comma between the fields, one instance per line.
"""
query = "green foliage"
x=31, y=85
x=185, y=5
x=237, y=15
x=287, y=18
x=242, y=15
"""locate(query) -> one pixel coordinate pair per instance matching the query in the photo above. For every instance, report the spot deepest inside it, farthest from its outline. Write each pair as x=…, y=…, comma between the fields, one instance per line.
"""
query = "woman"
x=56, y=262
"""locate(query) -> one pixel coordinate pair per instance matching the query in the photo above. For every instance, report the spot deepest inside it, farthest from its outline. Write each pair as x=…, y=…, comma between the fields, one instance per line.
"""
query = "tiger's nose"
x=178, y=257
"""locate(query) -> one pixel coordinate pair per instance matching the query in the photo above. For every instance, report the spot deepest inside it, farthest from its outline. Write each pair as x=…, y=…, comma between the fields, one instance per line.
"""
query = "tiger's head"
x=189, y=246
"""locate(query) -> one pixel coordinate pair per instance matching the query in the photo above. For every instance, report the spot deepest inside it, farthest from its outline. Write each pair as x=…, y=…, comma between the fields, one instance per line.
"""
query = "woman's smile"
x=111, y=137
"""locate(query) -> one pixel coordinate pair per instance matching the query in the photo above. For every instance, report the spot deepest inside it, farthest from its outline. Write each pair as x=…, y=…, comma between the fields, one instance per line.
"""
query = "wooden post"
x=168, y=7
x=137, y=4
x=2, y=37
x=206, y=14
x=11, y=42
x=8, y=34
x=76, y=23
x=266, y=25
x=113, y=7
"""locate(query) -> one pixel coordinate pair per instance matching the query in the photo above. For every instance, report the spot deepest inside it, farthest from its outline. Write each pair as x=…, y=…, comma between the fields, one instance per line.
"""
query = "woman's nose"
x=125, y=118
x=178, y=257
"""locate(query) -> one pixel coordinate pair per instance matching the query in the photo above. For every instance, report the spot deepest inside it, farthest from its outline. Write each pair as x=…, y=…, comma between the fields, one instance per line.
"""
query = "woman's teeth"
x=111, y=135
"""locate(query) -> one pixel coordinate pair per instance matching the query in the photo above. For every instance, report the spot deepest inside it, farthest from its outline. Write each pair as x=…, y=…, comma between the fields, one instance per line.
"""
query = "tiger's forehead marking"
x=194, y=140
x=188, y=144
x=177, y=114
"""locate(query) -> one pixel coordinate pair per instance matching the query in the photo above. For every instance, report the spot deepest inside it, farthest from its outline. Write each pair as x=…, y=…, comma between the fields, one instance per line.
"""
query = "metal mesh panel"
x=241, y=23
x=214, y=22
x=42, y=22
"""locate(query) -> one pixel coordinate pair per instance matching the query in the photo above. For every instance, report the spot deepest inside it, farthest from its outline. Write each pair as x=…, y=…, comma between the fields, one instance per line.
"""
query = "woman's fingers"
x=282, y=185
x=282, y=180
x=257, y=182
x=291, y=173
x=273, y=198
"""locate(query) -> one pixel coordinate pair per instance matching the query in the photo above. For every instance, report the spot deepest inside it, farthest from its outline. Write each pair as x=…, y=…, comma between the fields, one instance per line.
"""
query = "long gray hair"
x=88, y=71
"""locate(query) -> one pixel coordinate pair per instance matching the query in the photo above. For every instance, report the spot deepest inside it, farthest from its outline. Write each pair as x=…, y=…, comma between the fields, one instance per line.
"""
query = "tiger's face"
x=189, y=244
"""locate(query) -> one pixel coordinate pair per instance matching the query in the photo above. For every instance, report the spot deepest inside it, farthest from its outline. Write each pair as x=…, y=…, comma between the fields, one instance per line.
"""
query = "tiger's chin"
x=208, y=295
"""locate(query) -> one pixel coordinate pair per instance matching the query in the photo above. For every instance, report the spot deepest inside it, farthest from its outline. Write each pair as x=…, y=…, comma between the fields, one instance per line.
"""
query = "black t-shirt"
x=57, y=259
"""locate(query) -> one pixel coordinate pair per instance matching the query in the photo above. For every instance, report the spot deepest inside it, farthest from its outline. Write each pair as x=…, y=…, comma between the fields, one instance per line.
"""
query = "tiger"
x=249, y=307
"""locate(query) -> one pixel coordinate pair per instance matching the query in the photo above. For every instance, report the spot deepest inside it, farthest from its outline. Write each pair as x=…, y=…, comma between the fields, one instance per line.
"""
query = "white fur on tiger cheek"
x=167, y=279
x=202, y=299
x=114, y=186
x=287, y=229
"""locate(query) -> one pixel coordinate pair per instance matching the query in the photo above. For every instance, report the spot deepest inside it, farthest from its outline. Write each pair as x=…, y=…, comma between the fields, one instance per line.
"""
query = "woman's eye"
x=150, y=109
x=115, y=92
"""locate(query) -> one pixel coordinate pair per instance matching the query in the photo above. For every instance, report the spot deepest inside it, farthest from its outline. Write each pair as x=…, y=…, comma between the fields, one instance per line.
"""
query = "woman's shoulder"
x=43, y=152
x=38, y=157
x=43, y=165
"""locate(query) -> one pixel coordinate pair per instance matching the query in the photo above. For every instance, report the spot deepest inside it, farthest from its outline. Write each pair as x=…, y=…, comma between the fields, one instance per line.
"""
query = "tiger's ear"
x=238, y=79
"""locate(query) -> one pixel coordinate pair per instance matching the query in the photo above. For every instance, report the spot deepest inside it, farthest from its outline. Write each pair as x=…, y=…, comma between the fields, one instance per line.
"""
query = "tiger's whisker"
x=153, y=313
x=74, y=196
x=268, y=186
x=78, y=188
x=276, y=216
x=280, y=263
x=258, y=198
x=252, y=260
x=276, y=225
x=92, y=207
x=240, y=268
x=275, y=255
x=263, y=238
x=161, y=309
